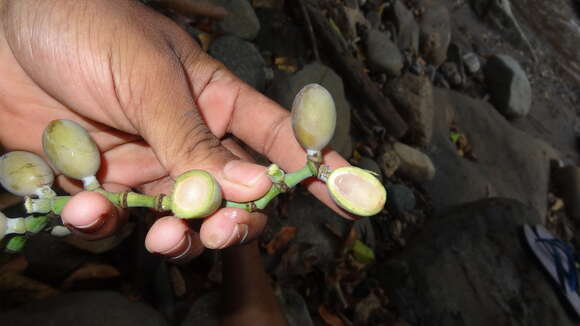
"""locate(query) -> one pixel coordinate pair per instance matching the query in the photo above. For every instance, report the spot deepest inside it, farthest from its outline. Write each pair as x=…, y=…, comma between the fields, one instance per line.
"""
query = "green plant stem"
x=290, y=180
x=281, y=183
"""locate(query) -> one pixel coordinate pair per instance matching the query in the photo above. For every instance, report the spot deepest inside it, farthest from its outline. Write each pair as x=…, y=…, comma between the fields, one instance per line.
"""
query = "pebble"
x=509, y=86
x=401, y=199
x=472, y=62
x=371, y=165
x=241, y=21
x=415, y=165
x=383, y=55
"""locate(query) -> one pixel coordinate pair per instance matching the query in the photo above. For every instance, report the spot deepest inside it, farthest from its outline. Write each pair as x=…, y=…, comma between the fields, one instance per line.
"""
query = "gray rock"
x=472, y=62
x=242, y=58
x=435, y=34
x=451, y=73
x=84, y=309
x=407, y=27
x=413, y=95
x=286, y=87
x=374, y=19
x=470, y=267
x=241, y=20
x=510, y=163
x=371, y=165
x=401, y=199
x=382, y=54
x=415, y=165
x=509, y=86
x=389, y=162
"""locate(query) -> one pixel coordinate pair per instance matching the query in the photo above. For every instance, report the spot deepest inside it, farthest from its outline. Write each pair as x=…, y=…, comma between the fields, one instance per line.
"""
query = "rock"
x=371, y=165
x=509, y=86
x=407, y=27
x=435, y=34
x=374, y=19
x=241, y=20
x=567, y=179
x=84, y=309
x=451, y=73
x=401, y=199
x=352, y=18
x=295, y=307
x=286, y=87
x=510, y=163
x=413, y=97
x=472, y=62
x=279, y=35
x=389, y=162
x=382, y=54
x=204, y=311
x=415, y=165
x=242, y=58
x=470, y=267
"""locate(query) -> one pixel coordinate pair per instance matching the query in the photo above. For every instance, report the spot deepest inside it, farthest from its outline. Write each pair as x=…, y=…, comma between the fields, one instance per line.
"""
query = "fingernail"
x=243, y=173
x=94, y=225
x=238, y=236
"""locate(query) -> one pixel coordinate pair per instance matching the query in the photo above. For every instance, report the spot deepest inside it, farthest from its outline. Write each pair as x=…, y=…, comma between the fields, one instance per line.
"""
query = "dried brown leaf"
x=16, y=265
x=281, y=239
x=90, y=271
x=329, y=317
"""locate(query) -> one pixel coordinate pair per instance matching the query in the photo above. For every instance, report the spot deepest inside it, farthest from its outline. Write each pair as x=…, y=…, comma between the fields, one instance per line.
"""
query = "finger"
x=263, y=125
x=93, y=216
x=231, y=226
x=171, y=237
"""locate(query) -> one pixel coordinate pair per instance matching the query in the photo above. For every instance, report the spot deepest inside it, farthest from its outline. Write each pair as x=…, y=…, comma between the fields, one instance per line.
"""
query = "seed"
x=313, y=117
x=357, y=191
x=196, y=193
x=23, y=173
x=71, y=149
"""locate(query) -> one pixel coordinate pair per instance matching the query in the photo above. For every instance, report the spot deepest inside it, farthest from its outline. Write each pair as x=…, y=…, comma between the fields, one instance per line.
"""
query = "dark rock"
x=382, y=54
x=509, y=163
x=204, y=311
x=84, y=309
x=471, y=267
x=451, y=73
x=371, y=165
x=509, y=86
x=241, y=21
x=374, y=19
x=413, y=96
x=401, y=199
x=279, y=35
x=407, y=27
x=567, y=180
x=242, y=58
x=435, y=34
x=285, y=88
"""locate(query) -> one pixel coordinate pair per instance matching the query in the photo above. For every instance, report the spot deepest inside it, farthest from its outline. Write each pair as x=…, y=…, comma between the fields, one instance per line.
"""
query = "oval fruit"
x=71, y=149
x=23, y=173
x=196, y=193
x=313, y=117
x=356, y=190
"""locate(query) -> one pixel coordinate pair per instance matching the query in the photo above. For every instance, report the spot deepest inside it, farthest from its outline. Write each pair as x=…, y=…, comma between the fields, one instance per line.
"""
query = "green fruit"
x=313, y=117
x=23, y=173
x=356, y=190
x=71, y=149
x=3, y=225
x=196, y=193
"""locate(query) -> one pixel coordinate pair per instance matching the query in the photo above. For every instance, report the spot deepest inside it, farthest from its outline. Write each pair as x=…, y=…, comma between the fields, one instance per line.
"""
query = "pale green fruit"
x=23, y=173
x=196, y=193
x=3, y=225
x=313, y=117
x=357, y=191
x=71, y=149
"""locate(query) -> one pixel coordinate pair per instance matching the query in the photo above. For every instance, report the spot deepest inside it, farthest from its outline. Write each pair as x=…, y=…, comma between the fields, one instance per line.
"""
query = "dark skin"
x=155, y=104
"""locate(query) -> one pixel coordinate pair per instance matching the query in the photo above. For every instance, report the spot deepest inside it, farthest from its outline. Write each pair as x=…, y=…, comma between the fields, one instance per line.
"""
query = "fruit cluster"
x=196, y=193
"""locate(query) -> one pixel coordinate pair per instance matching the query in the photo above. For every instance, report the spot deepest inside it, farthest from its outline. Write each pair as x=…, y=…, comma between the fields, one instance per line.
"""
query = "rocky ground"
x=468, y=110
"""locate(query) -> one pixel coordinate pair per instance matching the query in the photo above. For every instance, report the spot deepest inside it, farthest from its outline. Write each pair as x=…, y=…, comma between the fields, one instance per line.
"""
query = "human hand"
x=156, y=106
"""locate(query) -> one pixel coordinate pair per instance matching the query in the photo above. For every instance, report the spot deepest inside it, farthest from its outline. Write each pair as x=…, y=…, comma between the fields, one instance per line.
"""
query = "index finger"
x=262, y=124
